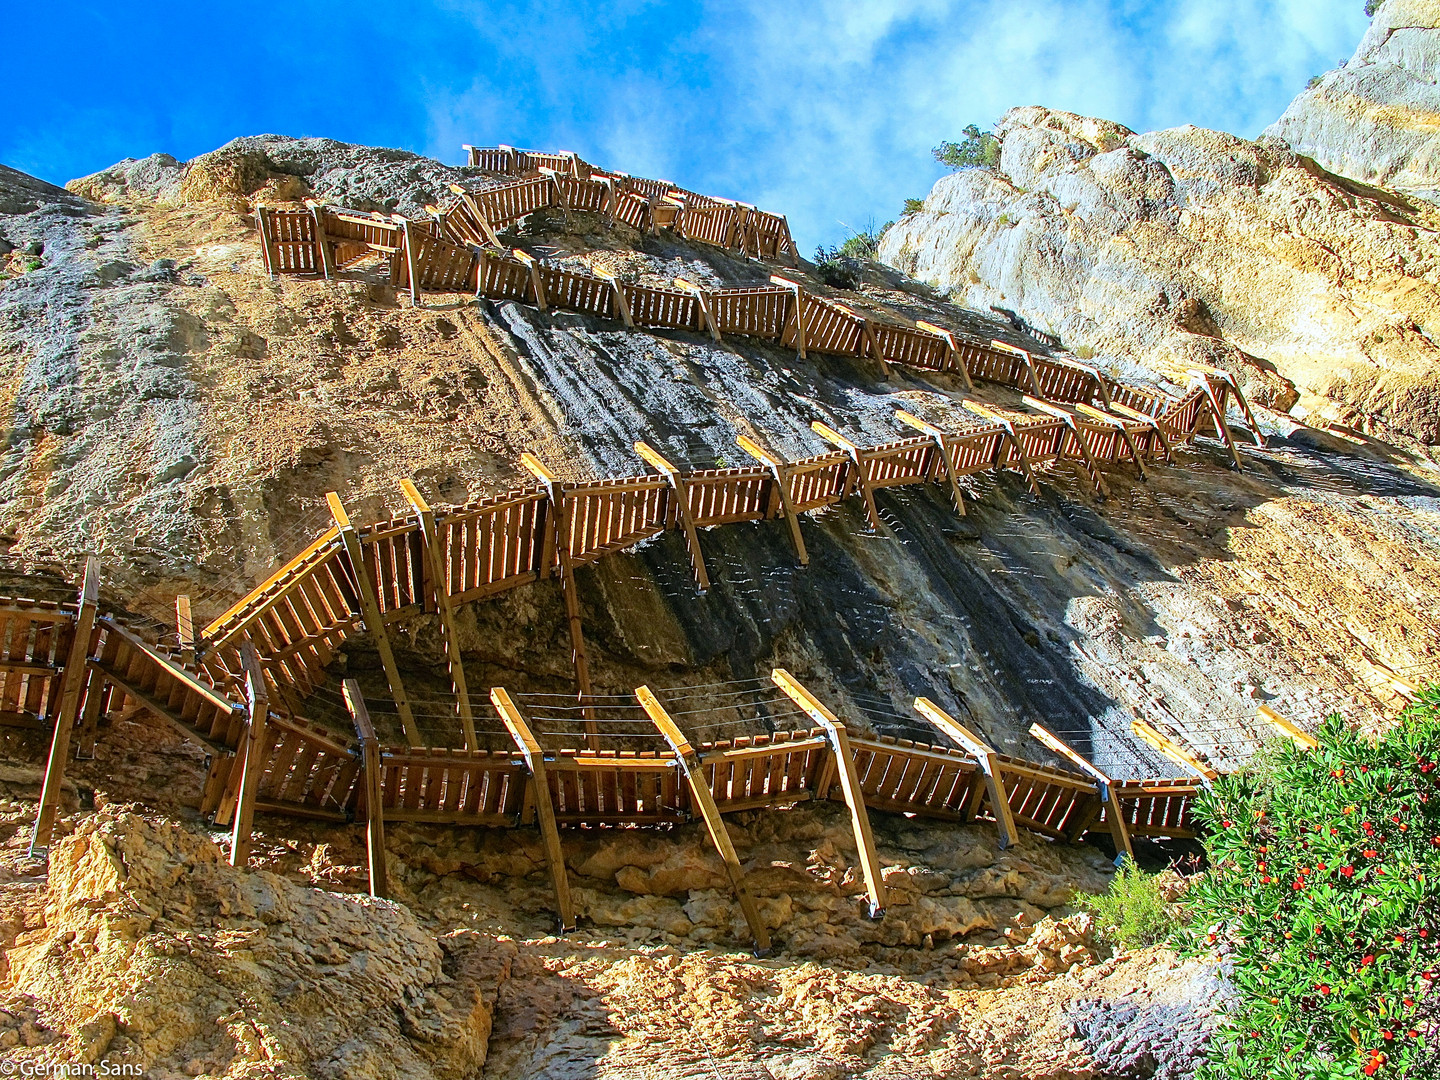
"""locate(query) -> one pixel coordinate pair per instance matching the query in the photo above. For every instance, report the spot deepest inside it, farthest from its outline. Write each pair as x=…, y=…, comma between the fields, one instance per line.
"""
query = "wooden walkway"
x=69, y=664
x=457, y=249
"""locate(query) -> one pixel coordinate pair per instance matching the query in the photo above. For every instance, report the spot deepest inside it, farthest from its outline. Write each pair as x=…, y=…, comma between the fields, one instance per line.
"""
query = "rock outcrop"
x=156, y=953
x=1189, y=246
x=1374, y=119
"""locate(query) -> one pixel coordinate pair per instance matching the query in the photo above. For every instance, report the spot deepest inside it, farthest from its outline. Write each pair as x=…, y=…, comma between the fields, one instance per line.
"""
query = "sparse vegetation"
x=913, y=206
x=1321, y=894
x=978, y=150
x=864, y=245
x=1372, y=6
x=1314, y=82
x=836, y=268
x=1004, y=219
x=1085, y=352
x=1134, y=913
x=32, y=264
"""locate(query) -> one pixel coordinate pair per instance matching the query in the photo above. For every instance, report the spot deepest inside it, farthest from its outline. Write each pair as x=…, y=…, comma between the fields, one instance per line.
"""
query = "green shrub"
x=1085, y=352
x=836, y=269
x=1133, y=913
x=1321, y=892
x=864, y=245
x=1372, y=6
x=1004, y=219
x=913, y=206
x=33, y=264
x=1314, y=82
x=978, y=150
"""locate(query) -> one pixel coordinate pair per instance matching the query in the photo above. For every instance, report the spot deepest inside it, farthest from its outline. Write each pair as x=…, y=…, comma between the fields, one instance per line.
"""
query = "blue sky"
x=823, y=111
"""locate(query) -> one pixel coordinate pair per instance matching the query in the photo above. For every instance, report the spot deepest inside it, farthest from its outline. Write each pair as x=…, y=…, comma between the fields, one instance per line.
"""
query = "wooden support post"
x=703, y=299
x=479, y=214
x=97, y=700
x=1029, y=363
x=1171, y=749
x=74, y=678
x=1120, y=427
x=849, y=784
x=536, y=282
x=687, y=520
x=622, y=306
x=1003, y=421
x=560, y=512
x=985, y=757
x=373, y=789
x=867, y=329
x=370, y=611
x=798, y=292
x=439, y=577
x=1104, y=787
x=700, y=793
x=412, y=263
x=911, y=420
x=1102, y=386
x=267, y=239
x=1286, y=728
x=1150, y=422
x=833, y=437
x=534, y=757
x=322, y=240
x=952, y=351
x=251, y=760
x=1218, y=412
x=185, y=630
x=1232, y=385
x=782, y=481
x=1091, y=465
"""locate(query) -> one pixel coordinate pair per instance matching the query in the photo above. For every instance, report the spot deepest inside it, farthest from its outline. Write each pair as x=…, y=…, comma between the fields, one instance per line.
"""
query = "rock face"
x=1374, y=118
x=156, y=953
x=1189, y=246
x=275, y=167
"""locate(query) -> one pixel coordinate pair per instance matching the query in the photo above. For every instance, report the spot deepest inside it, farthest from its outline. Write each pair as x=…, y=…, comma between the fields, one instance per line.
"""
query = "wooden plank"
x=987, y=760
x=1171, y=749
x=1218, y=412
x=700, y=793
x=956, y=359
x=1068, y=419
x=687, y=520
x=560, y=516
x=536, y=282
x=798, y=295
x=1286, y=728
x=251, y=754
x=1120, y=426
x=1003, y=421
x=703, y=299
x=1123, y=410
x=621, y=304
x=370, y=610
x=833, y=437
x=849, y=784
x=782, y=482
x=327, y=257
x=439, y=580
x=372, y=790
x=1024, y=355
x=185, y=630
x=957, y=496
x=75, y=678
x=534, y=757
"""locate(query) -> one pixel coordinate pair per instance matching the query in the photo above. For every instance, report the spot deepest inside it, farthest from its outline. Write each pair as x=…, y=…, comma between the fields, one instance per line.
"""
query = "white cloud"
x=828, y=112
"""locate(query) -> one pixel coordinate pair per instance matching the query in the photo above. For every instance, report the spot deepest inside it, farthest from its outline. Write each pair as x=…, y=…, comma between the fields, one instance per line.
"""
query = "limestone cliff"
x=1188, y=246
x=1376, y=119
